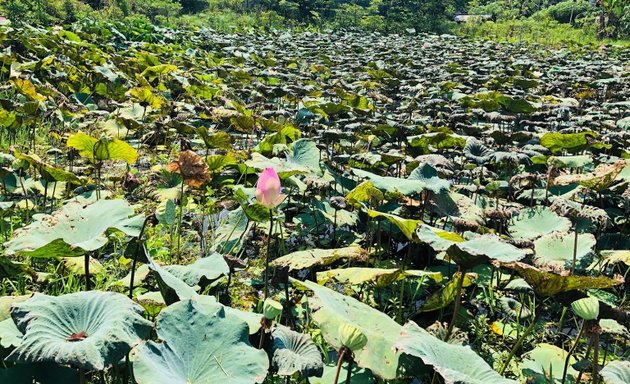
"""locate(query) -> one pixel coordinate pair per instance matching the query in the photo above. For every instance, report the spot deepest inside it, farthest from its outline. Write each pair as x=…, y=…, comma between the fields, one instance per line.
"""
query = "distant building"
x=467, y=18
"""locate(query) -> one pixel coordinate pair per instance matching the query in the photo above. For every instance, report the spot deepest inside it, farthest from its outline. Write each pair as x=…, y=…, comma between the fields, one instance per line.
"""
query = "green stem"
x=268, y=254
x=518, y=345
x=458, y=302
x=179, y=224
x=135, y=259
x=575, y=344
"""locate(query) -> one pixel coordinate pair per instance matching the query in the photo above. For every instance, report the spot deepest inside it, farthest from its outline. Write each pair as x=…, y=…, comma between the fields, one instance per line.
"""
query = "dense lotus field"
x=195, y=207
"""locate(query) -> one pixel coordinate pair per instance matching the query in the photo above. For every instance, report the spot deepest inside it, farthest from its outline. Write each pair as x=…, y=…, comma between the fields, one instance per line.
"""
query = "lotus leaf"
x=550, y=284
x=295, y=352
x=456, y=364
x=75, y=229
x=547, y=361
x=333, y=309
x=200, y=343
x=89, y=330
x=317, y=257
x=481, y=249
x=555, y=250
x=616, y=372
x=531, y=223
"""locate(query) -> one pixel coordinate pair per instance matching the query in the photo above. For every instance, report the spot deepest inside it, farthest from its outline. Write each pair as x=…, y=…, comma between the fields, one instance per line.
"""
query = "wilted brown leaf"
x=192, y=167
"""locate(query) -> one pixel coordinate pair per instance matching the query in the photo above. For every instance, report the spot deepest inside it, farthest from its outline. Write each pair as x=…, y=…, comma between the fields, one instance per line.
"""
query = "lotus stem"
x=86, y=266
x=595, y=343
x=568, y=358
x=342, y=355
x=518, y=344
x=268, y=254
x=458, y=302
x=179, y=224
x=82, y=376
x=575, y=244
x=135, y=258
x=349, y=374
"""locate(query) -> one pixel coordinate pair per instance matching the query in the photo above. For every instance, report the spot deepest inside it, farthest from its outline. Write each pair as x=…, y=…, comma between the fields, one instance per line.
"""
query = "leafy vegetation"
x=184, y=205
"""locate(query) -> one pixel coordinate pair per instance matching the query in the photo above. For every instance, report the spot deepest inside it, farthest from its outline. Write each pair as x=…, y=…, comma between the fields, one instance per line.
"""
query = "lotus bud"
x=587, y=308
x=351, y=337
x=269, y=189
x=271, y=309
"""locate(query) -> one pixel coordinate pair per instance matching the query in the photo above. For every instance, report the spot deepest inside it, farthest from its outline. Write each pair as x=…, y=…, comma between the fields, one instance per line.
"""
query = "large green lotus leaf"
x=455, y=363
x=89, y=330
x=547, y=361
x=429, y=176
x=200, y=343
x=39, y=373
x=295, y=352
x=333, y=309
x=616, y=372
x=555, y=250
x=395, y=185
x=75, y=229
x=556, y=141
x=102, y=149
x=439, y=243
x=48, y=171
x=577, y=161
x=209, y=268
x=437, y=140
x=382, y=277
x=550, y=284
x=531, y=223
x=303, y=157
x=317, y=257
x=483, y=248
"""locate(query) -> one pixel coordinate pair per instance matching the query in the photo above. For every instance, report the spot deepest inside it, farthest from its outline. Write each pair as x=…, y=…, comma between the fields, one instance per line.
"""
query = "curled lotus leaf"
x=90, y=330
x=550, y=284
x=295, y=352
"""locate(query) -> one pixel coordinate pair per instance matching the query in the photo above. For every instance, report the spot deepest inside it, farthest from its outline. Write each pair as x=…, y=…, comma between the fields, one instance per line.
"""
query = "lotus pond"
x=193, y=207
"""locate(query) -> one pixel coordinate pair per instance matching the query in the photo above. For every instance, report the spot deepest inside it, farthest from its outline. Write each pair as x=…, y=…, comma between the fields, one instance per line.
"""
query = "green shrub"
x=568, y=11
x=156, y=9
x=45, y=12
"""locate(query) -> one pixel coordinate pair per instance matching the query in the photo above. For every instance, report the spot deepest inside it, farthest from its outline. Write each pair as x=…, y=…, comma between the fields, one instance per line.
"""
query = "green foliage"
x=45, y=11
x=568, y=11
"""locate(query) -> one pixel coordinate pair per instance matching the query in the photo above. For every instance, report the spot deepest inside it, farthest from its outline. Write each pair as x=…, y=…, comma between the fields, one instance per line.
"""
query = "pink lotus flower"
x=269, y=189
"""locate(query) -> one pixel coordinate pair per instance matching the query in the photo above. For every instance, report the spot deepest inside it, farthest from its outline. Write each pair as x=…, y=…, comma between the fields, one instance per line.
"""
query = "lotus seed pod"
x=351, y=337
x=271, y=309
x=587, y=308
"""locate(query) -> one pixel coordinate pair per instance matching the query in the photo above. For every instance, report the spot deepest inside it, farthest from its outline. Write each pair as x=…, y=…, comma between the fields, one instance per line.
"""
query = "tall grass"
x=537, y=30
